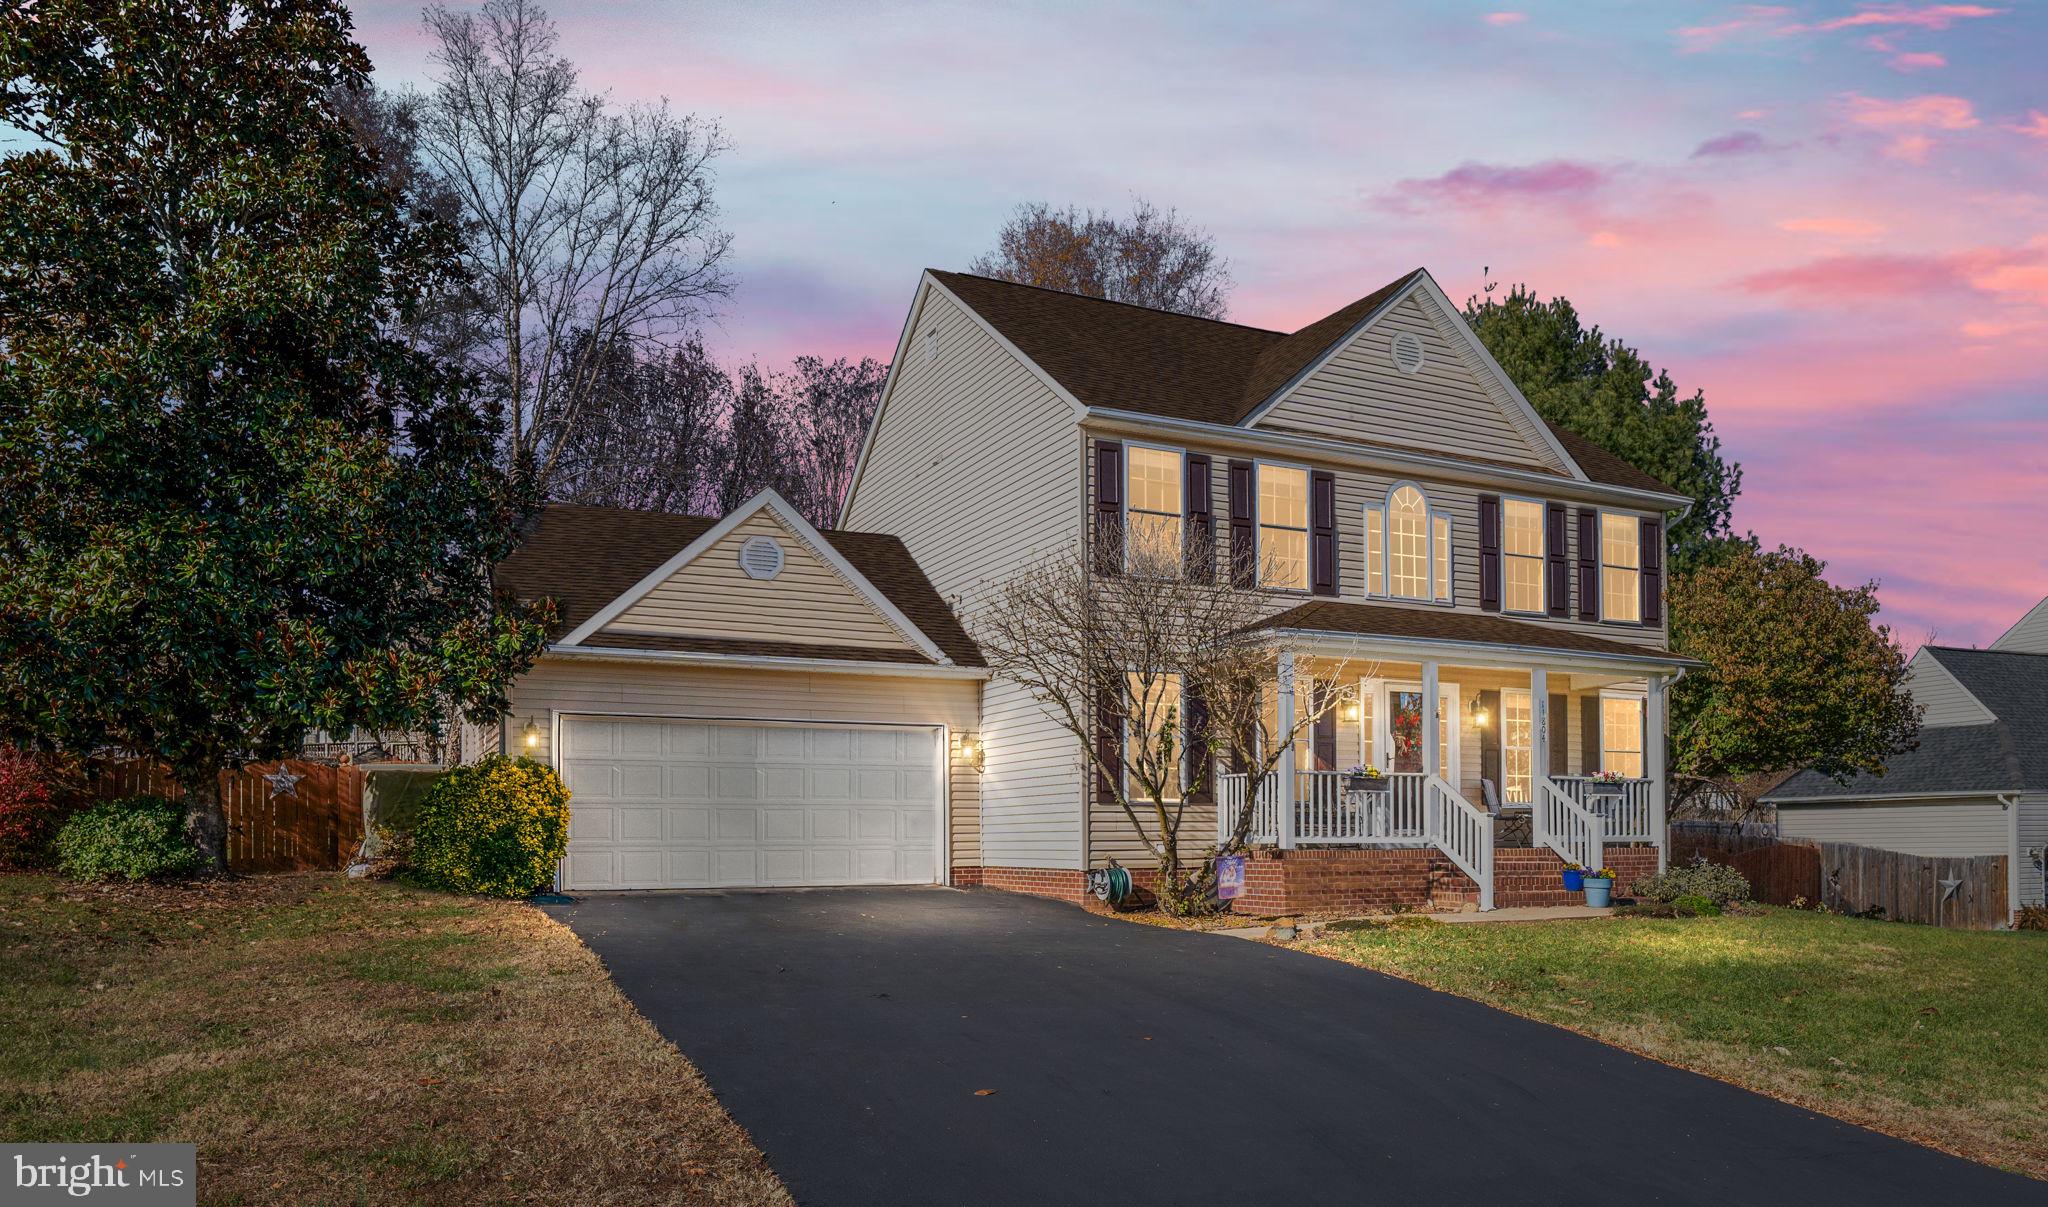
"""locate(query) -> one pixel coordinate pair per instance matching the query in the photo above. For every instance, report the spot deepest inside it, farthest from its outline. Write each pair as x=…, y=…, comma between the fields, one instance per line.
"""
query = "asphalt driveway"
x=853, y=1030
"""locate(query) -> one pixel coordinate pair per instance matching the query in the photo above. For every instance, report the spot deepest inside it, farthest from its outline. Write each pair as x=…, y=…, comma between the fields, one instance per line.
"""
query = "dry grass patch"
x=325, y=1040
x=1932, y=1035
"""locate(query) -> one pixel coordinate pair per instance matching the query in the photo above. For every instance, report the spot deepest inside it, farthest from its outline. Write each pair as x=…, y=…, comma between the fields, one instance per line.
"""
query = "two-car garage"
x=694, y=803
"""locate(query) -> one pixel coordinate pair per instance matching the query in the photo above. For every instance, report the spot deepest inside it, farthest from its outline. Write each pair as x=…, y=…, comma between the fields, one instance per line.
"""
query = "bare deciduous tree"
x=1151, y=258
x=653, y=435
x=591, y=228
x=830, y=405
x=1171, y=663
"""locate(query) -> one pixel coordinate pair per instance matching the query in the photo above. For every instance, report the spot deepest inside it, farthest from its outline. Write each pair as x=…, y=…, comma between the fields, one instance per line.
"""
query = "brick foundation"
x=1061, y=884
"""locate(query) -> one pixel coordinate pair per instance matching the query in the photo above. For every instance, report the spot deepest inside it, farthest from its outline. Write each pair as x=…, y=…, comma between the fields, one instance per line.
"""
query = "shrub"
x=1716, y=882
x=32, y=809
x=1697, y=906
x=2032, y=917
x=135, y=838
x=497, y=827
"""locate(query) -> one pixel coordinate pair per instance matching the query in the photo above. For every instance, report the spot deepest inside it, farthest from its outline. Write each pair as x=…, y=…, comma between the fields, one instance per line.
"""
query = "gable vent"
x=761, y=557
x=1408, y=353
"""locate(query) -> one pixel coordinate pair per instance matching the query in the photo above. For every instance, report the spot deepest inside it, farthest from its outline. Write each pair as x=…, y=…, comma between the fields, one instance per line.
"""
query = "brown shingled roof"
x=1431, y=624
x=1119, y=356
x=586, y=557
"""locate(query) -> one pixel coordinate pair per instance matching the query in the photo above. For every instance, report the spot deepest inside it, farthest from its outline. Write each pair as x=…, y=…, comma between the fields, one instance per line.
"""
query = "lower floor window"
x=1621, y=735
x=1518, y=747
x=1159, y=706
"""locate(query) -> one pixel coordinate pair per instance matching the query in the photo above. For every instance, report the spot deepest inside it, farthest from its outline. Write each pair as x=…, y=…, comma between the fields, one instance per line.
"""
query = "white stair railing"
x=1626, y=813
x=1577, y=834
x=1465, y=833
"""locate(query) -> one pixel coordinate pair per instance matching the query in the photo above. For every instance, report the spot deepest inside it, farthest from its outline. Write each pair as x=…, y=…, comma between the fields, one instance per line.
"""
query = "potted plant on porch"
x=1365, y=778
x=1600, y=888
x=1574, y=877
x=1605, y=783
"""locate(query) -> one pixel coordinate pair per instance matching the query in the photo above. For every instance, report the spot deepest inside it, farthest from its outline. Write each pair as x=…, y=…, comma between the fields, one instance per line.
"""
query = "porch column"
x=1284, y=724
x=1539, y=750
x=1432, y=730
x=1653, y=765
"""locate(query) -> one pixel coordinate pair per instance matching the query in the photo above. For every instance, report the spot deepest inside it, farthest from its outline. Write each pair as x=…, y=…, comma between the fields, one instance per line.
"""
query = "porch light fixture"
x=969, y=749
x=1350, y=712
x=530, y=735
x=1478, y=712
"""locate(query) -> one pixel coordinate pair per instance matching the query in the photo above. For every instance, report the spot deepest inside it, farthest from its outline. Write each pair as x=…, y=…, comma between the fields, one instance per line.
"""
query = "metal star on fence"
x=283, y=782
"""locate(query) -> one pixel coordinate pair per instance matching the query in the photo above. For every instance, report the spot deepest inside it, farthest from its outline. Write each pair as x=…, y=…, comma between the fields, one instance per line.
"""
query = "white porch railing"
x=1577, y=834
x=1416, y=810
x=1626, y=816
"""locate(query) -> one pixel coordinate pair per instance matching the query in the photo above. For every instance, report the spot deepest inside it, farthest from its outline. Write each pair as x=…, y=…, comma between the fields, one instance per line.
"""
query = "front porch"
x=1527, y=763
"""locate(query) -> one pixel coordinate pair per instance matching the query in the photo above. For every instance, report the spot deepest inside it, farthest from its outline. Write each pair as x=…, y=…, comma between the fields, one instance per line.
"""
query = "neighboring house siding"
x=976, y=465
x=1945, y=701
x=2033, y=845
x=2029, y=636
x=1969, y=826
x=712, y=597
x=1448, y=406
x=646, y=689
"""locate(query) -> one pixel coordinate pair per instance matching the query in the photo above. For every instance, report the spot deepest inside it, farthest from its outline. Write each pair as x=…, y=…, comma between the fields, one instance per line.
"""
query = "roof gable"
x=1943, y=700
x=2029, y=635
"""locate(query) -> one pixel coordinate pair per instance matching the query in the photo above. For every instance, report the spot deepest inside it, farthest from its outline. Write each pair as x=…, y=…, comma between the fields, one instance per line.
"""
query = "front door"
x=1397, y=740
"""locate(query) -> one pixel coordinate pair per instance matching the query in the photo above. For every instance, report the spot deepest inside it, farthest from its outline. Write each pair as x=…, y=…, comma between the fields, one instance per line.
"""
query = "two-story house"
x=1494, y=584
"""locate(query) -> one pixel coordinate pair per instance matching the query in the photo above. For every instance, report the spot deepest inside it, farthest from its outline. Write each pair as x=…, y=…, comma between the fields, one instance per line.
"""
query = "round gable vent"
x=1408, y=352
x=761, y=557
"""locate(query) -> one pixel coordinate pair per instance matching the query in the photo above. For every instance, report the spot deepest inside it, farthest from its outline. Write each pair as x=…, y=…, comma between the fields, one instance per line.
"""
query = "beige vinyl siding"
x=809, y=602
x=1962, y=826
x=564, y=685
x=2033, y=838
x=976, y=465
x=1450, y=406
x=1946, y=702
x=2029, y=636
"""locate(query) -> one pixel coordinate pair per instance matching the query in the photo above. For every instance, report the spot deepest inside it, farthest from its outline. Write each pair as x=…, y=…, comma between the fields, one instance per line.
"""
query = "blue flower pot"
x=1574, y=880
x=1599, y=892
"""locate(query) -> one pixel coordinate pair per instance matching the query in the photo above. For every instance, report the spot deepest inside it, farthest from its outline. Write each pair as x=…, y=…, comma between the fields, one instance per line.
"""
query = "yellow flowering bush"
x=496, y=828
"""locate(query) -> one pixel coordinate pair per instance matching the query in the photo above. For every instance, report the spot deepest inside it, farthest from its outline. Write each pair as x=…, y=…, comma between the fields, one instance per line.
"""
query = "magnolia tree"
x=1161, y=673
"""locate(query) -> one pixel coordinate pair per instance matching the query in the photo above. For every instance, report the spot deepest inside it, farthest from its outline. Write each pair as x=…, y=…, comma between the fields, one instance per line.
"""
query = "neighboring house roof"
x=2009, y=754
x=585, y=558
x=1427, y=624
x=1118, y=356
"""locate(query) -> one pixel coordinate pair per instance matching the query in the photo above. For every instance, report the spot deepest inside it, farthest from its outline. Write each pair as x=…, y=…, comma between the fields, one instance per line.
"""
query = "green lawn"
x=332, y=1041
x=1938, y=1036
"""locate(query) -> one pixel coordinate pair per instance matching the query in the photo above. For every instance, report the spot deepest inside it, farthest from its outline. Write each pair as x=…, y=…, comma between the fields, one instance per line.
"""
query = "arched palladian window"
x=1407, y=547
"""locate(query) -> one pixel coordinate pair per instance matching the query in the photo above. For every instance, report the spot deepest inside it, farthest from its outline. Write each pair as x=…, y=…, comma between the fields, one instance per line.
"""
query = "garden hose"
x=1111, y=884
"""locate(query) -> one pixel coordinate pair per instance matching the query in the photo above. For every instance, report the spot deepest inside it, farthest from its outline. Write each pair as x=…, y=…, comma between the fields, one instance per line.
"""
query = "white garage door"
x=697, y=804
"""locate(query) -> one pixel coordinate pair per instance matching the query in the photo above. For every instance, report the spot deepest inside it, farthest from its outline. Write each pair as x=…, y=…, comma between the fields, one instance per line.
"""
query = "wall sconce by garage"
x=1478, y=713
x=1350, y=712
x=968, y=748
x=529, y=735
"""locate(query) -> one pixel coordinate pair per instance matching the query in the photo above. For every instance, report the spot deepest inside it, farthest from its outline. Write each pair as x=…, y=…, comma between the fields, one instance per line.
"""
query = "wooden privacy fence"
x=1964, y=892
x=1780, y=874
x=1719, y=841
x=318, y=824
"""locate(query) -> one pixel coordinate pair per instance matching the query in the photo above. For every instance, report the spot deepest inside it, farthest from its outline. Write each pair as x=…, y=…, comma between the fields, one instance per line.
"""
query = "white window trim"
x=1124, y=495
x=1502, y=722
x=1641, y=699
x=1600, y=562
x=1431, y=513
x=1542, y=555
x=1180, y=720
x=1308, y=527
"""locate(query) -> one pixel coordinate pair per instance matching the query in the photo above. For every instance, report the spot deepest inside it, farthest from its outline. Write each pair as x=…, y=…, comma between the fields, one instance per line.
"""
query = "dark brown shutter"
x=1489, y=743
x=1653, y=571
x=1589, y=564
x=1109, y=743
x=1200, y=763
x=1244, y=545
x=1323, y=731
x=1589, y=735
x=1322, y=536
x=1201, y=525
x=1557, y=575
x=1109, y=507
x=1489, y=553
x=1560, y=735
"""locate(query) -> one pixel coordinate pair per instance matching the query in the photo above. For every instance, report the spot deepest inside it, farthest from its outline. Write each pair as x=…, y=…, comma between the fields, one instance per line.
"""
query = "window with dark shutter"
x=1560, y=735
x=1653, y=571
x=1200, y=771
x=1201, y=525
x=1109, y=507
x=1323, y=730
x=1244, y=547
x=1489, y=553
x=1322, y=507
x=1589, y=734
x=1557, y=585
x=1589, y=564
x=1109, y=743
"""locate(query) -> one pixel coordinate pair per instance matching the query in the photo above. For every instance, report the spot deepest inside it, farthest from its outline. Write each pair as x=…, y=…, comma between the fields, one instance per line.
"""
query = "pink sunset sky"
x=1832, y=217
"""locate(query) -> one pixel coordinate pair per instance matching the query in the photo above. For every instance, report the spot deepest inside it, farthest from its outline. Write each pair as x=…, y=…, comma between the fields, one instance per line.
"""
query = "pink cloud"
x=1845, y=228
x=1741, y=142
x=1505, y=18
x=1926, y=16
x=1750, y=18
x=1930, y=112
x=2036, y=125
x=1481, y=185
x=1909, y=148
x=1853, y=278
x=1916, y=60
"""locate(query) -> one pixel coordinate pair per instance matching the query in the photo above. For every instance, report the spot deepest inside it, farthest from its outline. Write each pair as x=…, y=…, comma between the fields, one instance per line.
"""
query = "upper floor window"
x=1283, y=526
x=1621, y=735
x=1621, y=568
x=1153, y=510
x=1407, y=548
x=1521, y=555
